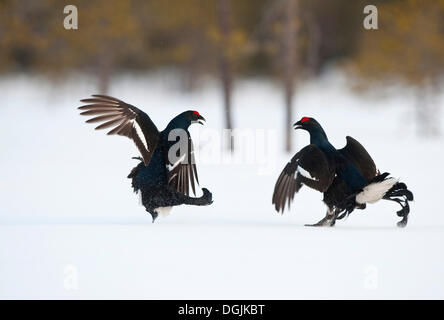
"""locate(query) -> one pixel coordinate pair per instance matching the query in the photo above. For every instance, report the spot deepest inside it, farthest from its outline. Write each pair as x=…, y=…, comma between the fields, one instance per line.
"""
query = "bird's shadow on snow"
x=297, y=226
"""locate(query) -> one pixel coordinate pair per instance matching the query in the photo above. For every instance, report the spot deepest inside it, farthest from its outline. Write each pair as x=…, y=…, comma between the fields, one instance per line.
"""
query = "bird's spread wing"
x=183, y=172
x=310, y=167
x=125, y=120
x=356, y=153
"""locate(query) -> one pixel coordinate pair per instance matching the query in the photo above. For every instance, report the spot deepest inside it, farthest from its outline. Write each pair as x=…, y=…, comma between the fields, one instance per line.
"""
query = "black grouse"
x=348, y=177
x=167, y=166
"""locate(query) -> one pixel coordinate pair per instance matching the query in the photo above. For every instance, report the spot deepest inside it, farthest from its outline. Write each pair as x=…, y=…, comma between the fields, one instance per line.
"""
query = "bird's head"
x=195, y=117
x=185, y=119
x=309, y=124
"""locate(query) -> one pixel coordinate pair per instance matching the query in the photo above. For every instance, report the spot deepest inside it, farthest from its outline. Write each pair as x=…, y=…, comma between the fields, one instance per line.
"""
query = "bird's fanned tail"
x=381, y=187
x=397, y=192
x=400, y=194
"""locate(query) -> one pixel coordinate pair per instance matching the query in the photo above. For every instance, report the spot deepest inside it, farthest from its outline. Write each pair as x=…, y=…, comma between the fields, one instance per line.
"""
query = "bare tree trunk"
x=192, y=69
x=436, y=90
x=315, y=40
x=289, y=65
x=419, y=108
x=427, y=111
x=225, y=69
x=105, y=71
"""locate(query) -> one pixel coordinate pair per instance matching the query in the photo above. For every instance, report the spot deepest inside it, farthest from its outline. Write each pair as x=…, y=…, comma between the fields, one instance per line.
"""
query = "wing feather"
x=361, y=159
x=184, y=173
x=310, y=167
x=125, y=120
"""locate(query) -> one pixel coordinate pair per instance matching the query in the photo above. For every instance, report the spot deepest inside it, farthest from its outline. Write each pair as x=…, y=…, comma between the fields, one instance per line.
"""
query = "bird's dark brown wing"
x=125, y=120
x=310, y=167
x=356, y=153
x=183, y=172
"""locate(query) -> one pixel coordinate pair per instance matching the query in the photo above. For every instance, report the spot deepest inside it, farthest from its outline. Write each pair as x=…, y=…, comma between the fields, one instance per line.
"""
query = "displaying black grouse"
x=348, y=177
x=162, y=178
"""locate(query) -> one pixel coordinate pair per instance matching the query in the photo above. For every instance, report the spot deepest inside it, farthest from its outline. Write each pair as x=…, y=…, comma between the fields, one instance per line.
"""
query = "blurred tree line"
x=287, y=40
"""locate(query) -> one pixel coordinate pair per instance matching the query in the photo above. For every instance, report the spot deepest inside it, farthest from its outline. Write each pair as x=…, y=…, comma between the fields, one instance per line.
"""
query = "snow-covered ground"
x=70, y=226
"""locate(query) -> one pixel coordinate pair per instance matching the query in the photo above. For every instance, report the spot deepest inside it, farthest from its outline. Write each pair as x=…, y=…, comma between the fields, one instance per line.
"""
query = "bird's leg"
x=153, y=213
x=328, y=221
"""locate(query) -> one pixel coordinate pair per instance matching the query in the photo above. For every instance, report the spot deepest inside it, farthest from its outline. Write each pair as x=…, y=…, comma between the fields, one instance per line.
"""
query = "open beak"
x=200, y=119
x=297, y=125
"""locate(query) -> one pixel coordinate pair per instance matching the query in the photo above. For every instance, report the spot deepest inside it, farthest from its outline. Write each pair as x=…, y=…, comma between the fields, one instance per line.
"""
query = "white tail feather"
x=163, y=211
x=375, y=191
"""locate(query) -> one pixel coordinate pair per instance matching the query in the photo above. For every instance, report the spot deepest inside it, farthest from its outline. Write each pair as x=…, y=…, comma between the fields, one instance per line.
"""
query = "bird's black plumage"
x=347, y=177
x=167, y=167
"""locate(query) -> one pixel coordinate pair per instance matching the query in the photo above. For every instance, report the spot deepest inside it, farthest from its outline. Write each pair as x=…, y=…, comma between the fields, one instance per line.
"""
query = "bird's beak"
x=200, y=119
x=297, y=125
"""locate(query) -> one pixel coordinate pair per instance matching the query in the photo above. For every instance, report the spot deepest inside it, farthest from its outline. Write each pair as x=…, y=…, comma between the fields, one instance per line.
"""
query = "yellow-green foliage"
x=409, y=44
x=146, y=34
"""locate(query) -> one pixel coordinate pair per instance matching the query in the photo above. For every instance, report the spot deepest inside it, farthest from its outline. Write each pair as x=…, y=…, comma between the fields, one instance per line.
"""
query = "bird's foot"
x=328, y=221
x=154, y=215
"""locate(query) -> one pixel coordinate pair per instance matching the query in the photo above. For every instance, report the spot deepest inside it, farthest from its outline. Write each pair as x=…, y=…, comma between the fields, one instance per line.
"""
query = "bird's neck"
x=175, y=130
x=177, y=123
x=319, y=138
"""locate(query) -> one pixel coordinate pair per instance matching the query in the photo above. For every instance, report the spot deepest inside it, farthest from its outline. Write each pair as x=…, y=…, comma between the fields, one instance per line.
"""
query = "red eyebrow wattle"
x=305, y=119
x=196, y=113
